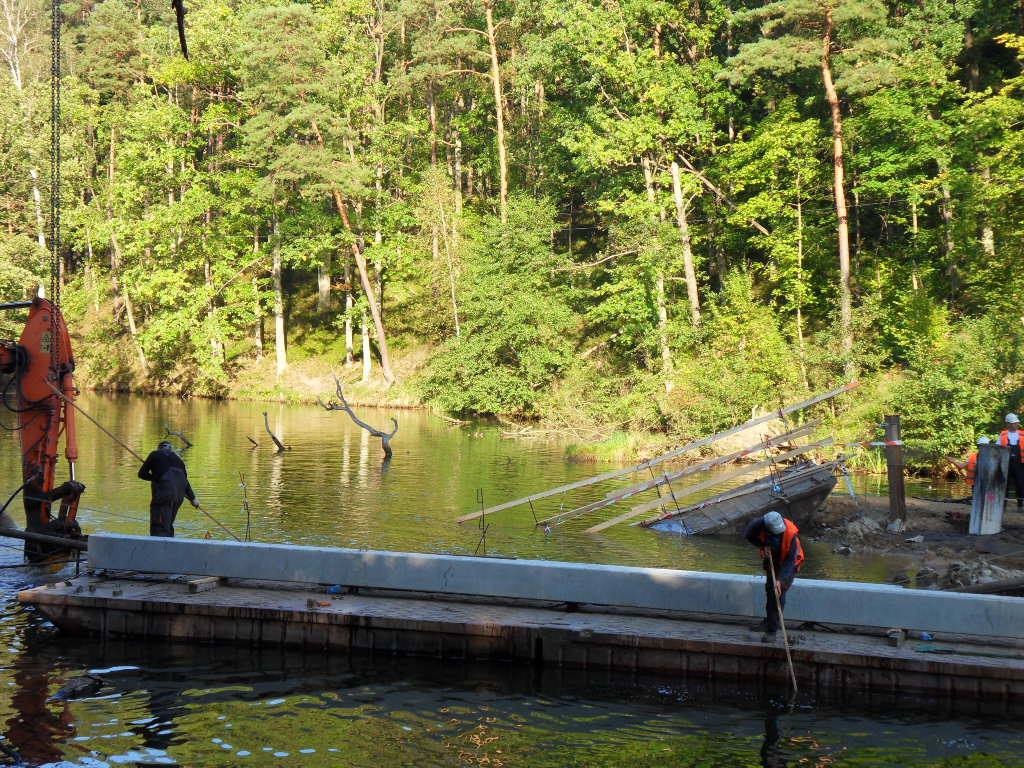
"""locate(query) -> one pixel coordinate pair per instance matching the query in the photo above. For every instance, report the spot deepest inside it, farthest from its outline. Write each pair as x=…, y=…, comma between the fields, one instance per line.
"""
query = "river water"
x=229, y=706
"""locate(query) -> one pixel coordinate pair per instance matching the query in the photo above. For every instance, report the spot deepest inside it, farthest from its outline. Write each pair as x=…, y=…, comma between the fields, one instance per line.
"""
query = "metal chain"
x=55, y=160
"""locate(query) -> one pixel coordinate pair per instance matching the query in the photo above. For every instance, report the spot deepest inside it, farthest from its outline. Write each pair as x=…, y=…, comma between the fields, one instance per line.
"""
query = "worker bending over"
x=774, y=533
x=169, y=482
x=1010, y=437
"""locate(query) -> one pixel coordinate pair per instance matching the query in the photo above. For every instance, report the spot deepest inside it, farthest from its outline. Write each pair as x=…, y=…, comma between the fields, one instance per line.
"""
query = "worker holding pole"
x=169, y=481
x=782, y=556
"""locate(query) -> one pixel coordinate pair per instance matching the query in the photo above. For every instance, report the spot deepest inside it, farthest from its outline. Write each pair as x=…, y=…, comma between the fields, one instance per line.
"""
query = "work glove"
x=194, y=503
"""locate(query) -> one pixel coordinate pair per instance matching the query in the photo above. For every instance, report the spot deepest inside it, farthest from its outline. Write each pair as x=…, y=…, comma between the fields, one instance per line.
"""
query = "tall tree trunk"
x=368, y=291
x=948, y=243
x=659, y=289
x=364, y=332
x=349, y=302
x=259, y=340
x=988, y=235
x=450, y=259
x=216, y=345
x=457, y=164
x=279, y=335
x=800, y=281
x=499, y=113
x=684, y=235
x=364, y=274
x=323, y=284
x=839, y=192
x=37, y=204
x=120, y=291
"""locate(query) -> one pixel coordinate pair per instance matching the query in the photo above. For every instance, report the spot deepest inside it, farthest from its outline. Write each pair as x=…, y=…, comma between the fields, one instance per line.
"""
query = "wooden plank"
x=718, y=461
x=690, y=490
x=666, y=478
x=726, y=495
x=203, y=584
x=705, y=441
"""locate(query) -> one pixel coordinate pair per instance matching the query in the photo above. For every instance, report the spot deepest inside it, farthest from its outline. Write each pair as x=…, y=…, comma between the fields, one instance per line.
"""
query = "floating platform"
x=427, y=610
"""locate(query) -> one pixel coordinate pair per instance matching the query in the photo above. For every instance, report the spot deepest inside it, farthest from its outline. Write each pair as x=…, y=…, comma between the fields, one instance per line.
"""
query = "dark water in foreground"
x=203, y=706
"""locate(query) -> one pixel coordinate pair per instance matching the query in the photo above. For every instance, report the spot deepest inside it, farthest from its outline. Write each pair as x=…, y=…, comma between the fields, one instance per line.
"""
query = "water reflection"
x=330, y=488
x=226, y=706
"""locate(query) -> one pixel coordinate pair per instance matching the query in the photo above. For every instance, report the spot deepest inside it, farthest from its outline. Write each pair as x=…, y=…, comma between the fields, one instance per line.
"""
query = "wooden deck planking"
x=412, y=625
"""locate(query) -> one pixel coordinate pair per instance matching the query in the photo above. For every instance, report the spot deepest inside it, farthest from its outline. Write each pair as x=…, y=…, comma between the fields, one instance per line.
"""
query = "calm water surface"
x=229, y=706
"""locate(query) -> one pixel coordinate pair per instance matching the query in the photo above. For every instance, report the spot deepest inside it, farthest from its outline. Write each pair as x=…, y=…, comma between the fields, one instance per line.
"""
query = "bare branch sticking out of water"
x=281, y=447
x=385, y=437
x=175, y=433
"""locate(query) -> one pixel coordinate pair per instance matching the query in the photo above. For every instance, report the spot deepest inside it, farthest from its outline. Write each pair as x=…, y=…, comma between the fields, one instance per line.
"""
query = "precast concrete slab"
x=659, y=589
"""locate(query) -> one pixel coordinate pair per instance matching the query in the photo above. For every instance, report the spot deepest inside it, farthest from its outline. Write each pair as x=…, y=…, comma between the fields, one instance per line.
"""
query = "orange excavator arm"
x=37, y=364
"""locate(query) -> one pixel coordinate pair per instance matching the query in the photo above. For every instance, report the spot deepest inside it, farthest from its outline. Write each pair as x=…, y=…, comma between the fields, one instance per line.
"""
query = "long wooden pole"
x=705, y=441
x=120, y=442
x=666, y=479
x=782, y=621
x=765, y=483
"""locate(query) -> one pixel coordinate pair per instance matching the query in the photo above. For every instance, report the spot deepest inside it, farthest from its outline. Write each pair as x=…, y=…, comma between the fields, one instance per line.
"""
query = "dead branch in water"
x=385, y=437
x=281, y=447
x=174, y=433
x=254, y=443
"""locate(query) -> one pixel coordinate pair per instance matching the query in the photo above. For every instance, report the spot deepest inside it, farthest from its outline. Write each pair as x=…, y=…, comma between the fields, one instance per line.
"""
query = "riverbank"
x=945, y=556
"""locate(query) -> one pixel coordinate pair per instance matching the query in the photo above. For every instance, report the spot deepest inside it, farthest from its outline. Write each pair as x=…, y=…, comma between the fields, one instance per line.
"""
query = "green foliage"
x=738, y=361
x=958, y=387
x=644, y=139
x=514, y=336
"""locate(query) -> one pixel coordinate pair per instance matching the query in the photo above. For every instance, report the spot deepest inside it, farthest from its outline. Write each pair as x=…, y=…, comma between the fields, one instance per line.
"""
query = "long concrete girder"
x=827, y=602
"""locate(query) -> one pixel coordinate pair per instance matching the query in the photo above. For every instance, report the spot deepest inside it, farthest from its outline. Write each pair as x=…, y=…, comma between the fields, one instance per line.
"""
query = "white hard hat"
x=1012, y=418
x=773, y=522
x=983, y=441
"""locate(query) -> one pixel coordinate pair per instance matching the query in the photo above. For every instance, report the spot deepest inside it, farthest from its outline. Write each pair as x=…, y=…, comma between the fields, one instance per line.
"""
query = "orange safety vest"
x=789, y=538
x=1004, y=437
x=972, y=468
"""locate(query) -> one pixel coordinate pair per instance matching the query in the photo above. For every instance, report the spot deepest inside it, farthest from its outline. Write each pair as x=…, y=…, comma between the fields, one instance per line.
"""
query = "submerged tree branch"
x=385, y=437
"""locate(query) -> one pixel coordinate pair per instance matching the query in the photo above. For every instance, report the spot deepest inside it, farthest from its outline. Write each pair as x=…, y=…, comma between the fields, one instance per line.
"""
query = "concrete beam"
x=827, y=602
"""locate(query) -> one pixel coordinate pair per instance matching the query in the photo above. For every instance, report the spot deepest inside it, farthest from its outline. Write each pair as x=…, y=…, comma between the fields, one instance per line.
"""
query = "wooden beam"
x=726, y=495
x=705, y=441
x=666, y=478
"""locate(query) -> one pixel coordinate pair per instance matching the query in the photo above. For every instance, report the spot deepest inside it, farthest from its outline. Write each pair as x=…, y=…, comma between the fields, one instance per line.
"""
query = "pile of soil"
x=934, y=534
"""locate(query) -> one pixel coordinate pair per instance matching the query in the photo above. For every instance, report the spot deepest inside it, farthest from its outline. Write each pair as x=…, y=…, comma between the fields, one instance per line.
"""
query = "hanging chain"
x=55, y=78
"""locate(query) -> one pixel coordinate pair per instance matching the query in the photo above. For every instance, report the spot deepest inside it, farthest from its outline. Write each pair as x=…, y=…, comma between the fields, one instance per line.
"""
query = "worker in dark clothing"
x=166, y=472
x=775, y=533
x=1011, y=437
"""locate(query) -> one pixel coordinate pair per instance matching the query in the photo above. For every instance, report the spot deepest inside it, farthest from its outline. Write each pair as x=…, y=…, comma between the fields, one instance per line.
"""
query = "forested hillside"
x=619, y=215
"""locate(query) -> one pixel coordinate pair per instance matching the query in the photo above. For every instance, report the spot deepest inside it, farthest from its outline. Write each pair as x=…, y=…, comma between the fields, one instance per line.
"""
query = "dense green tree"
x=625, y=211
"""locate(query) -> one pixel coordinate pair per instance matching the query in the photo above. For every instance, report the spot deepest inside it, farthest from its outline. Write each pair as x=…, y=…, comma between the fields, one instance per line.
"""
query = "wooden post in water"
x=989, y=490
x=894, y=464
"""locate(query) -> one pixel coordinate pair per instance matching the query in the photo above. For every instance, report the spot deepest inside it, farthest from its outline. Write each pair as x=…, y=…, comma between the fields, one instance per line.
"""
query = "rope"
x=120, y=442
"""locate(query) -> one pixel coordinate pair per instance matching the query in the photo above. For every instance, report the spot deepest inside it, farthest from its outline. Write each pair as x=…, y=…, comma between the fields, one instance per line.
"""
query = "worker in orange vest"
x=970, y=466
x=776, y=534
x=1011, y=438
